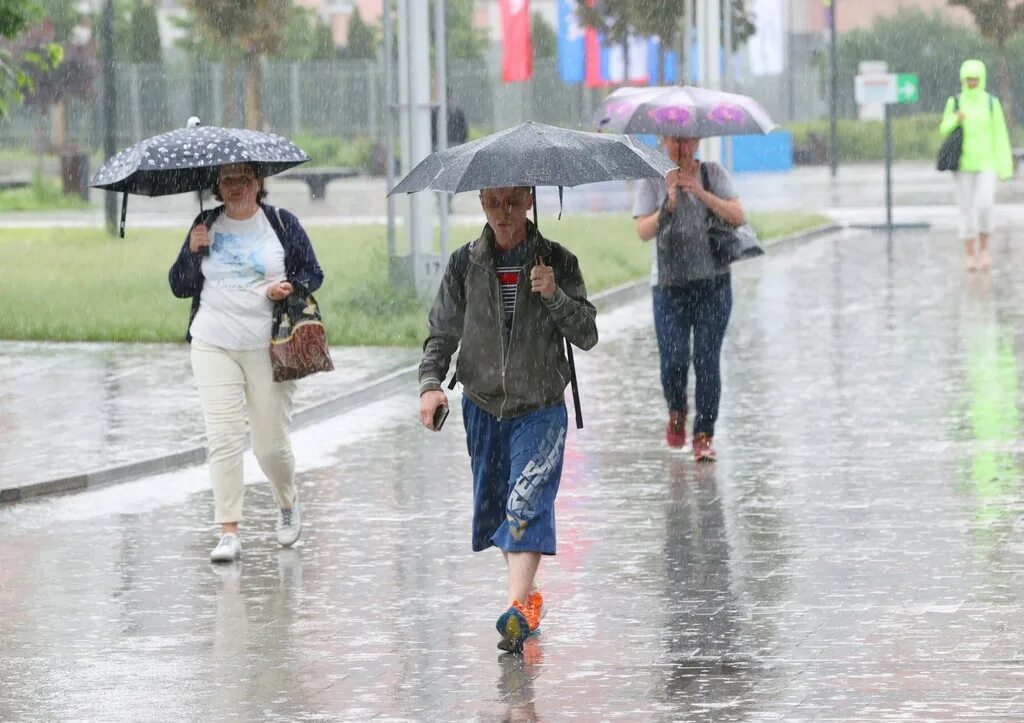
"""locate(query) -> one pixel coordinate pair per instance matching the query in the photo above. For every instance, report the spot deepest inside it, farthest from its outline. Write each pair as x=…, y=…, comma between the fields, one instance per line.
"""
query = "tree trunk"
x=253, y=87
x=60, y=135
x=1004, y=77
x=230, y=90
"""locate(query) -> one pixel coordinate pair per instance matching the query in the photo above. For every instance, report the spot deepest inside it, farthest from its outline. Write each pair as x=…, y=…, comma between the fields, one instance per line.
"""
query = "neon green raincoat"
x=986, y=140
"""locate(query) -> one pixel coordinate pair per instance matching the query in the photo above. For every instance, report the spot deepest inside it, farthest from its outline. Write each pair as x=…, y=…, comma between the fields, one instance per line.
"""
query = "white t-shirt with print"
x=245, y=258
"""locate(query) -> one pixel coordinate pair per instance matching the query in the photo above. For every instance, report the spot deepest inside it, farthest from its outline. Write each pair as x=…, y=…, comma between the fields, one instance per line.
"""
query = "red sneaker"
x=702, y=449
x=675, y=430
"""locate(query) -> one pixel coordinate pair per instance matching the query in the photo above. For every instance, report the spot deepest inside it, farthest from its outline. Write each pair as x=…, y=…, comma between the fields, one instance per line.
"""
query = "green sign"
x=908, y=90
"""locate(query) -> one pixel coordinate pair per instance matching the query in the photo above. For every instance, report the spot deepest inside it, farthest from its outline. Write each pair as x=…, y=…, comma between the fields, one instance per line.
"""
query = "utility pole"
x=441, y=73
x=389, y=131
x=833, y=89
x=709, y=48
x=414, y=102
x=109, y=105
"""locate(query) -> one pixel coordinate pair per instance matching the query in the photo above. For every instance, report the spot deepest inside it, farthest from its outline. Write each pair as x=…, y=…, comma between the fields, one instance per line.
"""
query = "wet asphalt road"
x=856, y=554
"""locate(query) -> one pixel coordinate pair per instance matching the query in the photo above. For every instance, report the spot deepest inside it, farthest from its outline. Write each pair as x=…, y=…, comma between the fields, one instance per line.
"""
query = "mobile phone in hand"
x=440, y=414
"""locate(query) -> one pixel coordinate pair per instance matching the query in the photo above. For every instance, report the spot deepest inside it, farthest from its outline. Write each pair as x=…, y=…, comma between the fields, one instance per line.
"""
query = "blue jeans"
x=702, y=308
x=517, y=465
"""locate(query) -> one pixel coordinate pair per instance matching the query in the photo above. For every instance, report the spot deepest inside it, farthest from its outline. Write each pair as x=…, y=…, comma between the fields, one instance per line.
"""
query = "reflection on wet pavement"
x=855, y=555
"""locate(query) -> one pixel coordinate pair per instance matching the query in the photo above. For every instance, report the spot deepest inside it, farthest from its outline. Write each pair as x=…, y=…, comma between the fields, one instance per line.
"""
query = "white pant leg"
x=221, y=383
x=985, y=200
x=966, y=183
x=270, y=417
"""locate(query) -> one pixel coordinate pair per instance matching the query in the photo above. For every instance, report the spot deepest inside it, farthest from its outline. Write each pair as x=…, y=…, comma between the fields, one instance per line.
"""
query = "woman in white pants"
x=985, y=156
x=236, y=261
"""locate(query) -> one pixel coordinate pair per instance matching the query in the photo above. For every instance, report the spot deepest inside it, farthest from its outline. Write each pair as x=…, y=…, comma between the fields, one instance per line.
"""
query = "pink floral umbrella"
x=682, y=110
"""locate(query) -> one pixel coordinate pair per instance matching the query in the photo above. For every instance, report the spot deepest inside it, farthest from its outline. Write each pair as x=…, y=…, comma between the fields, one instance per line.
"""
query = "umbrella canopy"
x=683, y=110
x=535, y=154
x=187, y=159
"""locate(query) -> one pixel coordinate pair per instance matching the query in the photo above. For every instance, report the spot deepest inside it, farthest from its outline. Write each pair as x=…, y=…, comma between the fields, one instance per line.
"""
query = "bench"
x=318, y=178
x=7, y=184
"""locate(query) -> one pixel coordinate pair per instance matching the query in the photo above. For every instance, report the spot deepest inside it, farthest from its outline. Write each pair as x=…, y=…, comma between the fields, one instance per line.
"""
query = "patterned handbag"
x=298, y=342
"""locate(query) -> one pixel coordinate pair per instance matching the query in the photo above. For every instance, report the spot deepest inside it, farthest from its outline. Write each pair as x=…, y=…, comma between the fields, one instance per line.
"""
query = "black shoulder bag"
x=952, y=146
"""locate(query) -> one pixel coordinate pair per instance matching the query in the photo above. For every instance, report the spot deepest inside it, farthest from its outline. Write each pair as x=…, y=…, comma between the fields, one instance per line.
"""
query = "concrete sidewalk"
x=76, y=415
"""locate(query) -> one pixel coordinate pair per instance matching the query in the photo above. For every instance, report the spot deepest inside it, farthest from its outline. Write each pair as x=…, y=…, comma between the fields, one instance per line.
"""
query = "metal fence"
x=346, y=99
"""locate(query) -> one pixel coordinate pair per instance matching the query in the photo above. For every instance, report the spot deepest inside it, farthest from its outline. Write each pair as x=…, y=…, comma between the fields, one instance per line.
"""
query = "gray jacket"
x=507, y=375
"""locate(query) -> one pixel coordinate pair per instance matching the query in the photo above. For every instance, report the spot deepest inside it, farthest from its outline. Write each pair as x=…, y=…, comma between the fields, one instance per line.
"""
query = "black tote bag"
x=952, y=146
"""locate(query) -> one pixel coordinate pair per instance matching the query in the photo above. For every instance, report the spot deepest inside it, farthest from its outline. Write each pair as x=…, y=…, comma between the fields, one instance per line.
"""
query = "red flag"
x=593, y=76
x=517, y=63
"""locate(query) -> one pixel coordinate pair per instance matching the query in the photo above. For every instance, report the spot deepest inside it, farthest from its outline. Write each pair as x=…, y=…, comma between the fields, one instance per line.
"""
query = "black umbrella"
x=187, y=159
x=534, y=154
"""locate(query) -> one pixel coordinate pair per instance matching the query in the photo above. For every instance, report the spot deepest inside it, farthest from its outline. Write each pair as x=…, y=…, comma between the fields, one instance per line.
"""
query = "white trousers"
x=230, y=382
x=976, y=196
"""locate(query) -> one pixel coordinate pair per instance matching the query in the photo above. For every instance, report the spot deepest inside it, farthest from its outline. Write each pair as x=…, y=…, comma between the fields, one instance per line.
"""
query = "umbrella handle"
x=124, y=211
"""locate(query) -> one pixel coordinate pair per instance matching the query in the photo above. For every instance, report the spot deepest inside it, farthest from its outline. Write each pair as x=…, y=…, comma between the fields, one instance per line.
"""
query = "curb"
x=401, y=379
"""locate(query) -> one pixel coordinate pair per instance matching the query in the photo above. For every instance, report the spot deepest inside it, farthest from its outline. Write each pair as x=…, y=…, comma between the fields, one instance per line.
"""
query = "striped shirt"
x=509, y=265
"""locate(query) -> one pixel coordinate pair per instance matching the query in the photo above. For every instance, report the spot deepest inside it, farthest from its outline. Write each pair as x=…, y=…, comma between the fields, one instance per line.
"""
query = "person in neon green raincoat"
x=986, y=156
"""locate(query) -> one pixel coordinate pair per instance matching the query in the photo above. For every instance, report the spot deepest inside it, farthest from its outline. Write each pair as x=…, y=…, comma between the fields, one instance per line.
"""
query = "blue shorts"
x=517, y=465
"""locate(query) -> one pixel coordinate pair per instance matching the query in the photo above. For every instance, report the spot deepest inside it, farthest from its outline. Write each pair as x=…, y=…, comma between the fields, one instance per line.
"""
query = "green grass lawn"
x=40, y=195
x=82, y=285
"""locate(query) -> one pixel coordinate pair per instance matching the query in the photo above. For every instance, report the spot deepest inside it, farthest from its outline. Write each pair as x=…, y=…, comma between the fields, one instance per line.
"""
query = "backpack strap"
x=704, y=180
x=460, y=267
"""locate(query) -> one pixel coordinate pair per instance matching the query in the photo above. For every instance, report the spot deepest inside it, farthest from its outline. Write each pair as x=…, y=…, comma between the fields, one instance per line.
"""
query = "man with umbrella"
x=507, y=301
x=509, y=298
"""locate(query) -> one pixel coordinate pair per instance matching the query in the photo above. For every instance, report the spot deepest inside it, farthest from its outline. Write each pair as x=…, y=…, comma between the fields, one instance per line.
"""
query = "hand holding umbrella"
x=542, y=279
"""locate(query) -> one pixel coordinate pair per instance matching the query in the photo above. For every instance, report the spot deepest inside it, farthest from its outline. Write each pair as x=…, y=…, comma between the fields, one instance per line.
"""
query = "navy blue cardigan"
x=300, y=264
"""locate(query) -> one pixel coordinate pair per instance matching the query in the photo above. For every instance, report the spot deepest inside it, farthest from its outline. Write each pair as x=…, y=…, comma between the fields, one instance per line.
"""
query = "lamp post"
x=833, y=88
x=109, y=104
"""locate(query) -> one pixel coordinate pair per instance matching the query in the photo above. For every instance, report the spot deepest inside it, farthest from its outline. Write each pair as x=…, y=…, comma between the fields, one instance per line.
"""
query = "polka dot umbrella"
x=187, y=159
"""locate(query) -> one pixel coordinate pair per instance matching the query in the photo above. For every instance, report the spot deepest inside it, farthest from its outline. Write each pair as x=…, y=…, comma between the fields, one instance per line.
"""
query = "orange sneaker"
x=675, y=430
x=702, y=449
x=534, y=610
x=520, y=622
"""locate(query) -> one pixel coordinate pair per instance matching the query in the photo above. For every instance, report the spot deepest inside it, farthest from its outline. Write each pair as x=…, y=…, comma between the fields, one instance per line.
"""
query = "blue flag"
x=571, y=56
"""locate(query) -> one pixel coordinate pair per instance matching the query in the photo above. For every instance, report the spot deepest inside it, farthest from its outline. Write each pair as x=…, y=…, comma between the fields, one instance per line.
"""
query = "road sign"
x=879, y=88
x=908, y=90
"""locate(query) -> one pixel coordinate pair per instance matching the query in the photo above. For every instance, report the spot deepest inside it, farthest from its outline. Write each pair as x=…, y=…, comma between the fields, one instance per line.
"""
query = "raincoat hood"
x=973, y=69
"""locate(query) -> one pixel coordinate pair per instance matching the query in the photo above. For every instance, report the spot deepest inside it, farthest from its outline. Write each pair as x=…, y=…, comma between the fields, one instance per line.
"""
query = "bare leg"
x=971, y=262
x=229, y=527
x=984, y=260
x=522, y=572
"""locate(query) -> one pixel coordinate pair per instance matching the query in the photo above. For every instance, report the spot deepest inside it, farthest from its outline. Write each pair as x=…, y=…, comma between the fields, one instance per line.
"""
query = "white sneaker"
x=229, y=549
x=289, y=526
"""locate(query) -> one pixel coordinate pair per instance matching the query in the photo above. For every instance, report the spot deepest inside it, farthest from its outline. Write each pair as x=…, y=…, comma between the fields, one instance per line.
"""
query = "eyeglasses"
x=229, y=181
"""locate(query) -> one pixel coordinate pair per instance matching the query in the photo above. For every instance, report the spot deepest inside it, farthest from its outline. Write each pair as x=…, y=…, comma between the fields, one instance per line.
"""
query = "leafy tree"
x=17, y=64
x=545, y=40
x=144, y=46
x=253, y=27
x=464, y=42
x=362, y=39
x=307, y=37
x=618, y=18
x=998, y=21
x=913, y=42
